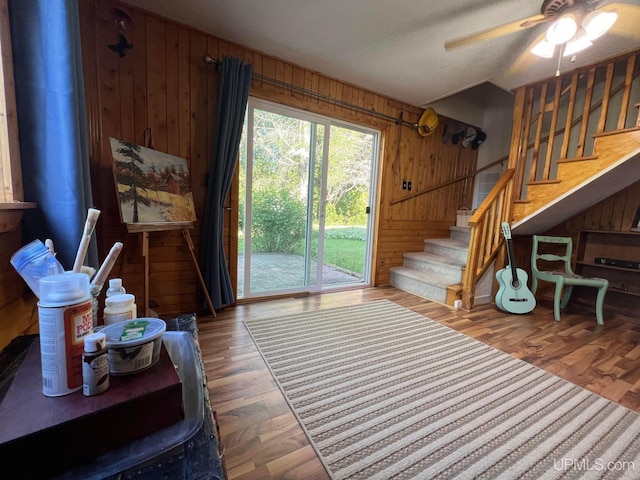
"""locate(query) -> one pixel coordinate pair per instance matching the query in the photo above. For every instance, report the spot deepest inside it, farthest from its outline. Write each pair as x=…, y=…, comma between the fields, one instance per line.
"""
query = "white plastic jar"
x=119, y=308
x=115, y=287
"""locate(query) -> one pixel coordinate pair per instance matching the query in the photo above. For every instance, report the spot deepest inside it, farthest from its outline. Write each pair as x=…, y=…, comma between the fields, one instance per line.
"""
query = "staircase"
x=562, y=160
x=581, y=182
x=441, y=263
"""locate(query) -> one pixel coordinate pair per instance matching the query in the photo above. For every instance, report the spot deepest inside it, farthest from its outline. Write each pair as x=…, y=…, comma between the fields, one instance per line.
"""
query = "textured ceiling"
x=395, y=47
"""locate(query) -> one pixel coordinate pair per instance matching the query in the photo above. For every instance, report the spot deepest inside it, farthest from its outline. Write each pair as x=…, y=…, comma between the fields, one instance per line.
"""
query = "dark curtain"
x=47, y=59
x=233, y=94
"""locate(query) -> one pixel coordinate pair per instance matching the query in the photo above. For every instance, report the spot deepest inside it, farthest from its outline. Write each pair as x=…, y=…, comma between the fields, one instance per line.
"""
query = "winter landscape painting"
x=152, y=186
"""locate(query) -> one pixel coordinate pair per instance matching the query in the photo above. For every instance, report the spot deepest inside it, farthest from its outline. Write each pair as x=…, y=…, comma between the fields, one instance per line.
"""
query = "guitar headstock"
x=506, y=230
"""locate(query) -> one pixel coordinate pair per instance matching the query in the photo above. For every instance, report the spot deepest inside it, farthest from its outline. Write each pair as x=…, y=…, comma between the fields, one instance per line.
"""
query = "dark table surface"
x=197, y=458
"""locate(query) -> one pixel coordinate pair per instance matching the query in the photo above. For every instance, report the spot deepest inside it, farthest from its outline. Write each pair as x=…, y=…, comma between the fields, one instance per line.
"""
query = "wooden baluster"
x=588, y=96
x=521, y=160
x=606, y=96
x=626, y=95
x=570, y=109
x=533, y=174
x=552, y=128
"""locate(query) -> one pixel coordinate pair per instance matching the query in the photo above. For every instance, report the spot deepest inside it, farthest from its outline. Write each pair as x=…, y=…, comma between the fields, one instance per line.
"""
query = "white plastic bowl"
x=134, y=345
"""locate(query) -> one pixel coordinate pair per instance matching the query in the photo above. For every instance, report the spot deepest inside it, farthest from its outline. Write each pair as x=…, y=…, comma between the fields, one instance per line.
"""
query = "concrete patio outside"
x=279, y=271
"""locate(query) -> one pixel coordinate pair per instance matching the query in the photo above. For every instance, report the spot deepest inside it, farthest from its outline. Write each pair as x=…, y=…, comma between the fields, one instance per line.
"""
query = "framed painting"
x=152, y=187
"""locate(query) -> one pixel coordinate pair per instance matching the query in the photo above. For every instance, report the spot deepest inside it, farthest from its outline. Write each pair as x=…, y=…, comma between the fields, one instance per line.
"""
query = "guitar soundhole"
x=515, y=284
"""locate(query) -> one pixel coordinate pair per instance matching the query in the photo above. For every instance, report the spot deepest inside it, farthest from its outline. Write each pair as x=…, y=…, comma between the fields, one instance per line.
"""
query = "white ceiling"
x=395, y=47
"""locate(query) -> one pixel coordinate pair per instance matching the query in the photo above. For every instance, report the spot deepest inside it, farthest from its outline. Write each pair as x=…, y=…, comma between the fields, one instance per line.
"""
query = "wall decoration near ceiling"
x=122, y=20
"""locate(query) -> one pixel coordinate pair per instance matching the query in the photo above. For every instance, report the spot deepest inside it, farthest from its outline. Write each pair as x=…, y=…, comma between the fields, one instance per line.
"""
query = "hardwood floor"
x=262, y=438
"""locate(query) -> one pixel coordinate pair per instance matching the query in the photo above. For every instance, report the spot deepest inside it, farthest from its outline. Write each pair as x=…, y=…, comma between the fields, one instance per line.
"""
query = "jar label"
x=78, y=323
x=133, y=330
x=130, y=359
x=62, y=332
x=111, y=318
x=95, y=373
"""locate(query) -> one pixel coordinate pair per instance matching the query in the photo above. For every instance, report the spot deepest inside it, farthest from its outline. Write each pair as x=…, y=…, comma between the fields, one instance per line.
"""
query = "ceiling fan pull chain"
x=559, y=59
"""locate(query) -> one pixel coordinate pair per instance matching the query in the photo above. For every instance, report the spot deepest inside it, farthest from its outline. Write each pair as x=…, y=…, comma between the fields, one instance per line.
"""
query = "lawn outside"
x=344, y=248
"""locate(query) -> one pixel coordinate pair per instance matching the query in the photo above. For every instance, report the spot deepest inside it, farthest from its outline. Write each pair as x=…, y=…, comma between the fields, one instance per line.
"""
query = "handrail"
x=485, y=239
x=450, y=182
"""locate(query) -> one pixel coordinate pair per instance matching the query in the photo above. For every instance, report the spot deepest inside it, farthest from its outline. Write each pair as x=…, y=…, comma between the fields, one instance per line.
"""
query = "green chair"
x=564, y=278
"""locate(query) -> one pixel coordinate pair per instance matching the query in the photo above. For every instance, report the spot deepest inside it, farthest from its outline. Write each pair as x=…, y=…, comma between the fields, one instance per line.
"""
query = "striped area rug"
x=385, y=393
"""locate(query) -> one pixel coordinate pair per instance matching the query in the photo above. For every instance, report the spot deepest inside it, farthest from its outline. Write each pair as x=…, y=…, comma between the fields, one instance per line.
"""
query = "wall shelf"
x=623, y=294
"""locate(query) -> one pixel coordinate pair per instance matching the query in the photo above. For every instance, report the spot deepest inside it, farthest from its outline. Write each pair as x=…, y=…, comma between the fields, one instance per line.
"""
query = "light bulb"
x=577, y=43
x=597, y=23
x=562, y=30
x=543, y=49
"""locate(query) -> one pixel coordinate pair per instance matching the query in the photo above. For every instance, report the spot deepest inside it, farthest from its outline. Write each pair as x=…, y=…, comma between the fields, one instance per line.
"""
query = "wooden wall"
x=614, y=214
x=163, y=83
x=18, y=310
x=611, y=214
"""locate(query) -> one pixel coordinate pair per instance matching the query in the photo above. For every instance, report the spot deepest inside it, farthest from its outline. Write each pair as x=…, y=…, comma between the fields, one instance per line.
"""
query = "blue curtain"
x=233, y=94
x=47, y=59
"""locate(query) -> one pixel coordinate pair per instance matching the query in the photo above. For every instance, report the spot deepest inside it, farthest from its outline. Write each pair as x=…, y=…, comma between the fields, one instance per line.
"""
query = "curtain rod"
x=398, y=121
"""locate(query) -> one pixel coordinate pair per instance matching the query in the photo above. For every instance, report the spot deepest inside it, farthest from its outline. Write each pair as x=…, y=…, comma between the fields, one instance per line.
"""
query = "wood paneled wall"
x=18, y=309
x=614, y=214
x=163, y=83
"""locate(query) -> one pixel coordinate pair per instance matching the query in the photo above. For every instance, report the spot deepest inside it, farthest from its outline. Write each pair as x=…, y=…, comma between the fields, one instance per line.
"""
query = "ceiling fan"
x=574, y=24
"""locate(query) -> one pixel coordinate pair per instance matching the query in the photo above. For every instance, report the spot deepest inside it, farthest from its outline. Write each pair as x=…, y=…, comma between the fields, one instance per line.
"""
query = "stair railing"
x=485, y=238
x=546, y=130
x=556, y=120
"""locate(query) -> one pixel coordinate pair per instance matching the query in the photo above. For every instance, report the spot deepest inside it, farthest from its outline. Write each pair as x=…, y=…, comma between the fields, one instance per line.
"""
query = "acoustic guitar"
x=513, y=294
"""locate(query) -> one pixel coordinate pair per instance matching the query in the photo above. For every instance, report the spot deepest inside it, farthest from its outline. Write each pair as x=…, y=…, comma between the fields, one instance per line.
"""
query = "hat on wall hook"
x=428, y=122
x=122, y=20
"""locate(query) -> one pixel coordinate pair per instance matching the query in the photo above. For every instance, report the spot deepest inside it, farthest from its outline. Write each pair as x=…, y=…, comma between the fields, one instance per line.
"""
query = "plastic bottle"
x=119, y=308
x=65, y=317
x=33, y=262
x=115, y=287
x=95, y=364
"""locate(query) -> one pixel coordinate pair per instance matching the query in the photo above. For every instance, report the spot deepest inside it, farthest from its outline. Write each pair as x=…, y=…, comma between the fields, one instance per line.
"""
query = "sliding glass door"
x=306, y=202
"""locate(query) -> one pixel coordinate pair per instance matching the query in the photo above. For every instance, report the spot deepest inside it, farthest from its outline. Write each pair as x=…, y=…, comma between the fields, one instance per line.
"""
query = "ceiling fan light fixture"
x=562, y=30
x=577, y=44
x=597, y=23
x=544, y=49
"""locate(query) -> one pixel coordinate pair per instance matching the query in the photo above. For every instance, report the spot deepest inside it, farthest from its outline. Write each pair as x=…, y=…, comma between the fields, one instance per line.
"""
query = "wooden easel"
x=145, y=229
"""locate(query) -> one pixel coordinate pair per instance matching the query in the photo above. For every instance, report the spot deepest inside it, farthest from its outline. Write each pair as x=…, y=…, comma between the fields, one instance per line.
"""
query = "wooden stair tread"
x=424, y=277
x=433, y=258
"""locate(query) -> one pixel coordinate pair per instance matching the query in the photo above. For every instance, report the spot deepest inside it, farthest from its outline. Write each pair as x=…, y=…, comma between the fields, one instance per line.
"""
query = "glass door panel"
x=281, y=193
x=348, y=205
x=305, y=202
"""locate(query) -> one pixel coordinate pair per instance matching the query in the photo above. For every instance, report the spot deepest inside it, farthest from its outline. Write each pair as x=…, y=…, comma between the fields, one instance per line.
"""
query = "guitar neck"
x=512, y=260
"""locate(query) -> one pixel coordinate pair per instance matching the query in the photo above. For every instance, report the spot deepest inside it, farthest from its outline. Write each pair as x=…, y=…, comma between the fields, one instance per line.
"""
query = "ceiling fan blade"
x=495, y=32
x=628, y=16
x=526, y=59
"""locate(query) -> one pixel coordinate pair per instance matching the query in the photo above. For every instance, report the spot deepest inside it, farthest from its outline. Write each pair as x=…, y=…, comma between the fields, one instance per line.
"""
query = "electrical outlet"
x=382, y=263
x=409, y=186
x=404, y=184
